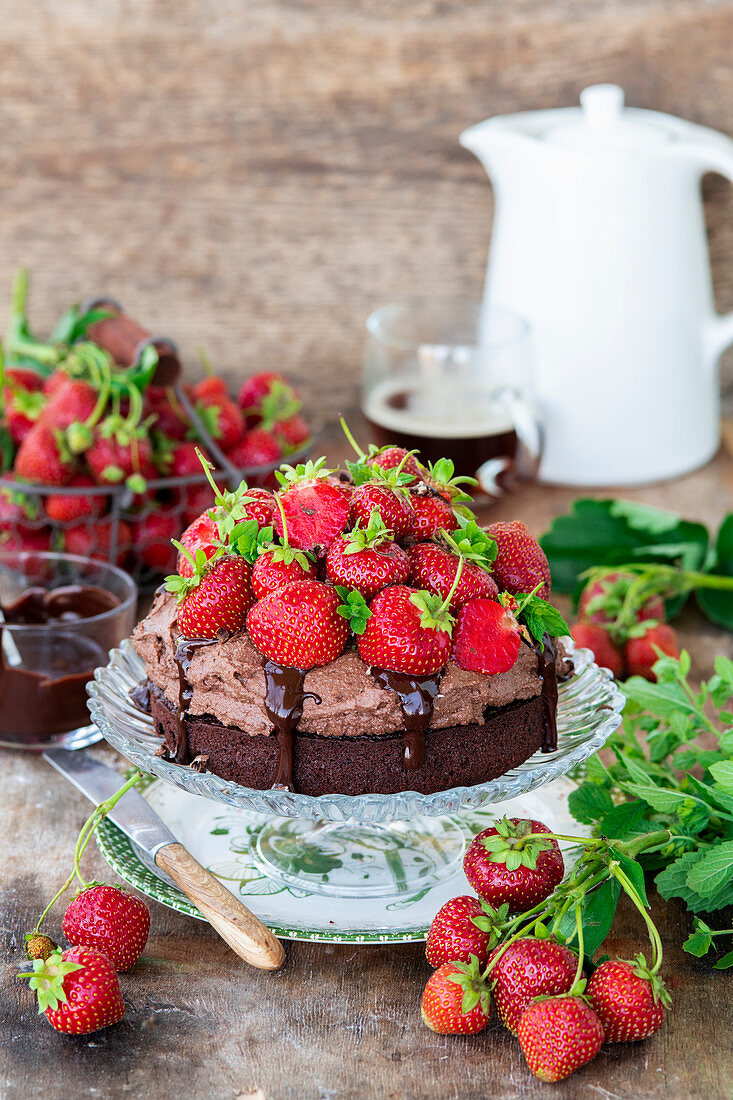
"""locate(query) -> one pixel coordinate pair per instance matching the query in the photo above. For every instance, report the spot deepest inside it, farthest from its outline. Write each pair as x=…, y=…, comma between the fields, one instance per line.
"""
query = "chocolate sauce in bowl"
x=284, y=699
x=417, y=697
x=184, y=654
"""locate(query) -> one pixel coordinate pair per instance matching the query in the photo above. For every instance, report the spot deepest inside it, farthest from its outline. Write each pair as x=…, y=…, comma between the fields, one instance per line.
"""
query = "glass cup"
x=453, y=380
x=48, y=652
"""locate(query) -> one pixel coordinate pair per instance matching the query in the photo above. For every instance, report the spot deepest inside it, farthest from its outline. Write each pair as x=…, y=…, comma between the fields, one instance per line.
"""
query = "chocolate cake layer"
x=455, y=755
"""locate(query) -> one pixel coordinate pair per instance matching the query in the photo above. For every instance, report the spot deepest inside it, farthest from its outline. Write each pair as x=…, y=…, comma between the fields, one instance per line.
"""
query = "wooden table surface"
x=337, y=1023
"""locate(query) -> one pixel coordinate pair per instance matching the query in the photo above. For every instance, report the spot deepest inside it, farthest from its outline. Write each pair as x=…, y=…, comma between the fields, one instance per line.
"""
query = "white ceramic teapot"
x=599, y=241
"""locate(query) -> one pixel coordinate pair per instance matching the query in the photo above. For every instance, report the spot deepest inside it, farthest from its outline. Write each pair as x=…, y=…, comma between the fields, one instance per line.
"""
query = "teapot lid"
x=604, y=124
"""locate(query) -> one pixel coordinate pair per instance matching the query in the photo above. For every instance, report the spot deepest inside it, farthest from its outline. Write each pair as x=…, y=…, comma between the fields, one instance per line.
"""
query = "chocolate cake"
x=217, y=706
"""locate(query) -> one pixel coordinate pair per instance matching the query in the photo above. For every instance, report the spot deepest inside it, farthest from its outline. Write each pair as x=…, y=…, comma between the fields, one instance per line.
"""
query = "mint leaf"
x=713, y=870
x=541, y=618
x=718, y=606
x=589, y=803
x=625, y=820
x=354, y=608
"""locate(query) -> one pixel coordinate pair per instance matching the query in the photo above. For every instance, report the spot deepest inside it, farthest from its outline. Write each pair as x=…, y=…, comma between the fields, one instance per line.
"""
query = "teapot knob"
x=602, y=104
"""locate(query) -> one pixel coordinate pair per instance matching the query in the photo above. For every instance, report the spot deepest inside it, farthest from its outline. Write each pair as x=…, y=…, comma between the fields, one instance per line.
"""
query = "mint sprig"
x=354, y=608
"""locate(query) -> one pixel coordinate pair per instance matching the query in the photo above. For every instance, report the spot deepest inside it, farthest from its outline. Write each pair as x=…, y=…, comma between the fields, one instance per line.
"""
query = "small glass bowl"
x=45, y=667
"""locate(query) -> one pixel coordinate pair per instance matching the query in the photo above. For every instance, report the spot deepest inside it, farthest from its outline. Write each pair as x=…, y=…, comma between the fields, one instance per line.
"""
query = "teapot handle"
x=718, y=332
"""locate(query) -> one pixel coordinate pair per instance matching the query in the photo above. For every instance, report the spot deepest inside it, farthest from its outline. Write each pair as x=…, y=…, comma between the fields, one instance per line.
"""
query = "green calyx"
x=660, y=993
x=515, y=845
x=279, y=404
x=440, y=477
x=476, y=991
x=304, y=471
x=47, y=980
x=369, y=537
x=434, y=614
x=472, y=543
x=354, y=608
x=182, y=586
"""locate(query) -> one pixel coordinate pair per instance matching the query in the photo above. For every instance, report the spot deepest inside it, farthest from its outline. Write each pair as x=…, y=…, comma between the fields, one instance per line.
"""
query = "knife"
x=243, y=931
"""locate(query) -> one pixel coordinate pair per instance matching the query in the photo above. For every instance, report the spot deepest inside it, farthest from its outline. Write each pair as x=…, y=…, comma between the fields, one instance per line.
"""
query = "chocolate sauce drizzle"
x=140, y=696
x=548, y=675
x=182, y=657
x=417, y=697
x=284, y=699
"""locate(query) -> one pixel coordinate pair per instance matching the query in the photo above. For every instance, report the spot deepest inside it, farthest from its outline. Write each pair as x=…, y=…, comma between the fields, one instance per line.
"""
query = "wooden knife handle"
x=243, y=931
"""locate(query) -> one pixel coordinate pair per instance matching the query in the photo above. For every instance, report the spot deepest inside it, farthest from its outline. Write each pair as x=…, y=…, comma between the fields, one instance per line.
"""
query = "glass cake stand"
x=358, y=846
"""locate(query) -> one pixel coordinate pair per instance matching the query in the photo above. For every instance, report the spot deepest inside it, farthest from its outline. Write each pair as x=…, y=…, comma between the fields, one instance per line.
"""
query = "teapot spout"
x=490, y=142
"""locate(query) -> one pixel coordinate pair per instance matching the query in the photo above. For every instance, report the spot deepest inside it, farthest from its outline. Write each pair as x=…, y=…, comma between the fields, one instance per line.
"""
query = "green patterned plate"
x=223, y=839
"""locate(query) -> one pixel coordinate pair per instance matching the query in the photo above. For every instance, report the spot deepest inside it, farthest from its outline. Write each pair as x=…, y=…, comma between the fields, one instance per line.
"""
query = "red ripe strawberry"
x=316, y=512
x=486, y=637
x=42, y=457
x=520, y=563
x=434, y=568
x=529, y=968
x=594, y=637
x=257, y=388
x=558, y=1036
x=393, y=505
x=291, y=433
x=257, y=504
x=461, y=928
x=114, y=457
x=95, y=540
x=407, y=631
x=299, y=625
x=217, y=599
x=211, y=390
x=78, y=990
x=628, y=998
x=432, y=514
x=202, y=534
x=23, y=401
x=110, y=920
x=223, y=421
x=171, y=420
x=151, y=538
x=258, y=448
x=507, y=865
x=640, y=654
x=23, y=377
x=601, y=599
x=72, y=403
x=391, y=457
x=456, y=1000
x=183, y=460
x=271, y=572
x=66, y=509
x=366, y=559
x=17, y=508
x=25, y=539
x=54, y=382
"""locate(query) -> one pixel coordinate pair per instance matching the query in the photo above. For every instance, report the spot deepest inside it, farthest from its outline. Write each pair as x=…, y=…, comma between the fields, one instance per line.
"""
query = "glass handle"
x=500, y=475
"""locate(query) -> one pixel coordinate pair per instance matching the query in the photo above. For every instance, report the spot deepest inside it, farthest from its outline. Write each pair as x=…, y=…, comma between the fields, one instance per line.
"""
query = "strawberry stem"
x=633, y=894
x=205, y=362
x=446, y=602
x=349, y=436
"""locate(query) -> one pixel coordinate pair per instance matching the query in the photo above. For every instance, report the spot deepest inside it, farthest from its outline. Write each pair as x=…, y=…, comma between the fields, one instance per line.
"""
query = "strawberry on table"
x=594, y=637
x=461, y=928
x=367, y=559
x=456, y=1000
x=111, y=920
x=628, y=998
x=640, y=652
x=486, y=637
x=508, y=864
x=558, y=1036
x=256, y=448
x=299, y=625
x=78, y=990
x=408, y=630
x=215, y=599
x=316, y=512
x=520, y=564
x=526, y=969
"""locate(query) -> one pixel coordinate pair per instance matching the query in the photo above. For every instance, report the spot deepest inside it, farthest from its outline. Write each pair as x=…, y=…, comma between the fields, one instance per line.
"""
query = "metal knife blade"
x=98, y=782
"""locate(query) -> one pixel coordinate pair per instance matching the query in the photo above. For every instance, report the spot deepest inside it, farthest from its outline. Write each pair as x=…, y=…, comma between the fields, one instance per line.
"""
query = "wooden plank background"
x=257, y=176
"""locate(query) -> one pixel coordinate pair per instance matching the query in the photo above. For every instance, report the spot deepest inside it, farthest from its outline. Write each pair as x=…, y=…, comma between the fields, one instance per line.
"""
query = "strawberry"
x=507, y=865
x=74, y=402
x=434, y=568
x=366, y=559
x=38, y=946
x=196, y=500
x=408, y=630
x=432, y=513
x=257, y=448
x=54, y=382
x=215, y=599
x=628, y=998
x=25, y=539
x=390, y=457
x=640, y=653
x=291, y=433
x=17, y=509
x=43, y=457
x=393, y=505
x=24, y=378
x=170, y=418
x=67, y=509
x=78, y=990
x=275, y=568
x=203, y=535
x=602, y=598
x=461, y=928
x=315, y=511
x=95, y=540
x=559, y=1035
x=520, y=563
x=257, y=388
x=223, y=421
x=594, y=637
x=526, y=969
x=22, y=400
x=183, y=460
x=211, y=390
x=299, y=625
x=111, y=920
x=456, y=1000
x=486, y=637
x=119, y=450
x=151, y=537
